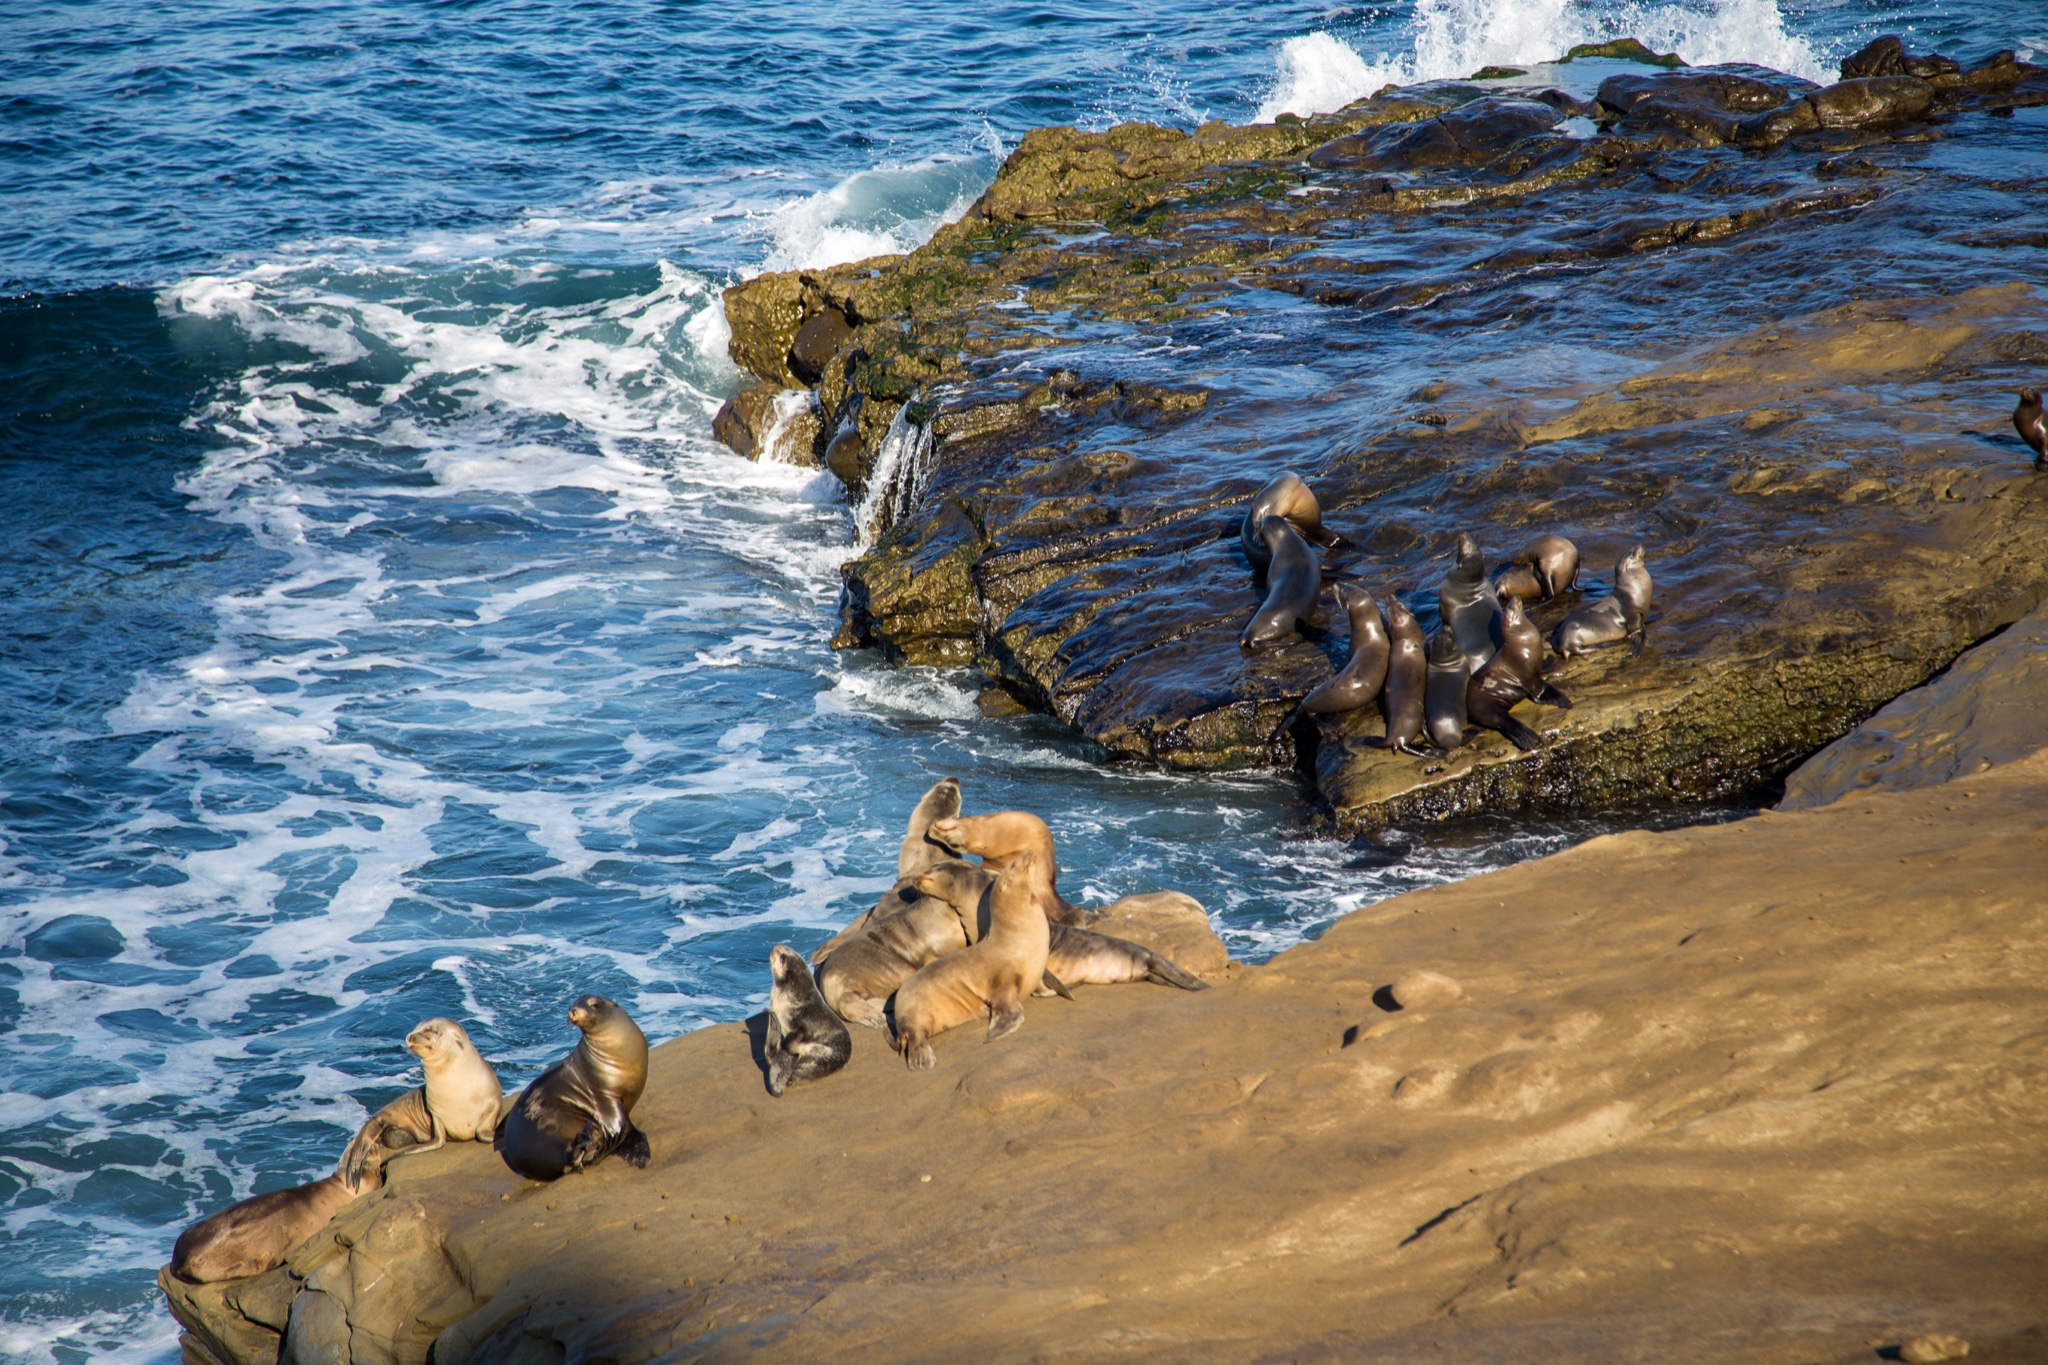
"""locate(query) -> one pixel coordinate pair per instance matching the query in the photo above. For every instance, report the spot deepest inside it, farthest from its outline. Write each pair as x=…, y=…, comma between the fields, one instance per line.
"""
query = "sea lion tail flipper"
x=1550, y=696
x=859, y=1009
x=1636, y=642
x=1288, y=724
x=1525, y=739
x=1059, y=987
x=1164, y=971
x=633, y=1148
x=357, y=1153
x=1409, y=747
x=1004, y=1021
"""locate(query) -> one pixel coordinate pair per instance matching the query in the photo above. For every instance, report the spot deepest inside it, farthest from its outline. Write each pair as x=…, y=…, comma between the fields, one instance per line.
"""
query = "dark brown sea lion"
x=1513, y=674
x=1469, y=607
x=806, y=1040
x=257, y=1234
x=1545, y=567
x=1294, y=578
x=1443, y=697
x=1623, y=616
x=1403, y=701
x=1285, y=495
x=1358, y=683
x=578, y=1111
x=2028, y=421
x=993, y=977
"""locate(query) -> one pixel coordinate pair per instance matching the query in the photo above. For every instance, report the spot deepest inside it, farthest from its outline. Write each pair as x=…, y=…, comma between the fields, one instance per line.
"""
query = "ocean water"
x=382, y=633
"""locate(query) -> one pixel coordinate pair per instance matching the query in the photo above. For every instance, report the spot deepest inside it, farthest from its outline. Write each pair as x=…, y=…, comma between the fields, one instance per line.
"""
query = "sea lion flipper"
x=1636, y=643
x=1004, y=1021
x=1059, y=987
x=1164, y=971
x=633, y=1148
x=1550, y=696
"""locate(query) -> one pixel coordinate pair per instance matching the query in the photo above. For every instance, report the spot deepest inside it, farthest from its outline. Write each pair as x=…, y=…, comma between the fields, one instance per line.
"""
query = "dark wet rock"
x=1624, y=49
x=1469, y=135
x=766, y=422
x=1871, y=101
x=1709, y=105
x=1496, y=73
x=819, y=338
x=1884, y=56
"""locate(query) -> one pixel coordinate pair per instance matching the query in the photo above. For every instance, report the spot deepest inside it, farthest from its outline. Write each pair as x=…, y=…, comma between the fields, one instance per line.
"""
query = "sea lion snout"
x=590, y=1011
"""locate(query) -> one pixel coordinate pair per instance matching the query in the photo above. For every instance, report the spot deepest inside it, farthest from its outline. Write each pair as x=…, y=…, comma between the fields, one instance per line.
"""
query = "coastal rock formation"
x=1791, y=1113
x=1630, y=301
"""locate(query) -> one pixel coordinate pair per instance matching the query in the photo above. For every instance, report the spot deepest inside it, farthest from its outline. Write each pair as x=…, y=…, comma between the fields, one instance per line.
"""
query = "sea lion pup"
x=1514, y=674
x=1075, y=957
x=577, y=1112
x=913, y=855
x=460, y=1099
x=1285, y=495
x=806, y=1040
x=1469, y=606
x=2032, y=425
x=998, y=838
x=1443, y=697
x=1359, y=682
x=1545, y=567
x=992, y=977
x=863, y=972
x=1402, y=701
x=1294, y=577
x=1623, y=616
x=257, y=1234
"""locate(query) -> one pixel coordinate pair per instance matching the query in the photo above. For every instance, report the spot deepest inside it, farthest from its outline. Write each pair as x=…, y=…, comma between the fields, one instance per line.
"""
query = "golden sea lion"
x=992, y=977
x=460, y=1099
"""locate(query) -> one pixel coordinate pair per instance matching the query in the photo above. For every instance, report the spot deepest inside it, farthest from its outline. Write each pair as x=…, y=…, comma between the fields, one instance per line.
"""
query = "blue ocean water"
x=383, y=635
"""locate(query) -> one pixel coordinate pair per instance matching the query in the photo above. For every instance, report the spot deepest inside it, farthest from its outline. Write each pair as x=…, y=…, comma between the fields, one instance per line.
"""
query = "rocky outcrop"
x=1769, y=1091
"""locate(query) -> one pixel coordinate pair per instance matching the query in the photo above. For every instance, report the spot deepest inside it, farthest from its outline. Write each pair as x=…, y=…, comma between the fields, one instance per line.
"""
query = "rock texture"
x=1774, y=1091
x=1628, y=302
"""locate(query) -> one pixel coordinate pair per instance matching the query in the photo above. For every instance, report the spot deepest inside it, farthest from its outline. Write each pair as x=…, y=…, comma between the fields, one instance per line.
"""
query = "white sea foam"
x=882, y=211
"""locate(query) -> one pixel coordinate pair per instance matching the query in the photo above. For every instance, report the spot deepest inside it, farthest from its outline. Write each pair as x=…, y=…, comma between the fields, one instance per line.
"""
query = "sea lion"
x=1075, y=957
x=1546, y=567
x=1513, y=674
x=998, y=839
x=1403, y=701
x=1443, y=697
x=577, y=1112
x=1623, y=616
x=460, y=1099
x=913, y=856
x=1294, y=577
x=1359, y=682
x=1285, y=495
x=806, y=1040
x=2032, y=425
x=1469, y=607
x=258, y=1233
x=993, y=976
x=857, y=977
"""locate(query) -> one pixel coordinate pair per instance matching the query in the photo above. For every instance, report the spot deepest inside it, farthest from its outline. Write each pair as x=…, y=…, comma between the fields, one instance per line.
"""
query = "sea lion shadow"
x=757, y=1043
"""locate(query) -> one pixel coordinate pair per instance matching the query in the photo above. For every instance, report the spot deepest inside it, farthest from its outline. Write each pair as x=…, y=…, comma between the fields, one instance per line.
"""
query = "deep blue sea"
x=383, y=635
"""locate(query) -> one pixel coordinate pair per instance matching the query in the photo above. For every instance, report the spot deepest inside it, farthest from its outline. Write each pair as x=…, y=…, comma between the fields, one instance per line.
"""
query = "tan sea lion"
x=1623, y=616
x=992, y=977
x=460, y=1100
x=1544, y=568
x=1075, y=957
x=577, y=1112
x=1513, y=674
x=1285, y=495
x=806, y=1040
x=2032, y=425
x=1403, y=701
x=998, y=838
x=258, y=1233
x=858, y=976
x=1294, y=579
x=913, y=856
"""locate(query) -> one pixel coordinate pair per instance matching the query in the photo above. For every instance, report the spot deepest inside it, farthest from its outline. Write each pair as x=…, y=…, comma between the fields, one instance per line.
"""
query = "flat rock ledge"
x=1685, y=309
x=1772, y=1091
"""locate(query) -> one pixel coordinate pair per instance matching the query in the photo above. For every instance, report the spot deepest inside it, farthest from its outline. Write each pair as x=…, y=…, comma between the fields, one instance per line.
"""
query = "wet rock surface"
x=1790, y=1115
x=1631, y=291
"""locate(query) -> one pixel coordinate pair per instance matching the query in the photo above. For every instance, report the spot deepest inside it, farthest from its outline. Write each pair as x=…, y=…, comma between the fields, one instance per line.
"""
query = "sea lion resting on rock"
x=998, y=839
x=864, y=971
x=1513, y=674
x=1358, y=683
x=1623, y=616
x=257, y=1234
x=460, y=1099
x=1443, y=696
x=1074, y=957
x=806, y=1040
x=1469, y=607
x=2032, y=425
x=1294, y=579
x=1285, y=495
x=577, y=1112
x=1546, y=567
x=992, y=977
x=1403, y=700
x=913, y=855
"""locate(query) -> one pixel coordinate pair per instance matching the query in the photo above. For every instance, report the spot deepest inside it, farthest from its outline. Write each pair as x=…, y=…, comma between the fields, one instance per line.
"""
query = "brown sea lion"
x=913, y=856
x=460, y=1099
x=806, y=1040
x=1468, y=606
x=258, y=1233
x=992, y=977
x=1443, y=696
x=2032, y=425
x=1623, y=616
x=1294, y=578
x=578, y=1111
x=858, y=976
x=1513, y=674
x=998, y=838
x=1076, y=957
x=1404, y=699
x=1285, y=495
x=1544, y=568
x=1358, y=683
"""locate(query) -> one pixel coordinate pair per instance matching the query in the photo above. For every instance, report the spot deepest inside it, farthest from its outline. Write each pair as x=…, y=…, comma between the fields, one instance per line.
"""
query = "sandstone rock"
x=1170, y=923
x=1934, y=1346
x=1425, y=990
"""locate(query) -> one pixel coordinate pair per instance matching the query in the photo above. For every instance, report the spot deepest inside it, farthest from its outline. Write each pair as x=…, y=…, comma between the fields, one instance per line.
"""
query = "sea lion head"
x=958, y=884
x=785, y=966
x=1468, y=550
x=594, y=1012
x=2031, y=396
x=438, y=1040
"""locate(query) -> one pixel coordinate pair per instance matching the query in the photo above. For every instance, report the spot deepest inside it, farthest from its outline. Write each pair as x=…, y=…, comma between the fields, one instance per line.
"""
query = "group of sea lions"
x=1486, y=656
x=952, y=940
x=573, y=1115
